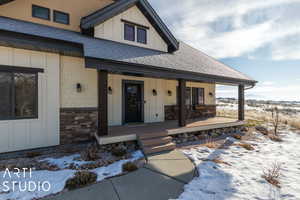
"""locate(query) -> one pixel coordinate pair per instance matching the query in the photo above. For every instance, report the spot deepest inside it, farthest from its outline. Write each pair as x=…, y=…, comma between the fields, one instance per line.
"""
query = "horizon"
x=258, y=38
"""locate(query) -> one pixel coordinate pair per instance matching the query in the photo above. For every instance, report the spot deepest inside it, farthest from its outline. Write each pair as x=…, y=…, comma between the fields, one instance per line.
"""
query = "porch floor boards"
x=132, y=131
x=167, y=126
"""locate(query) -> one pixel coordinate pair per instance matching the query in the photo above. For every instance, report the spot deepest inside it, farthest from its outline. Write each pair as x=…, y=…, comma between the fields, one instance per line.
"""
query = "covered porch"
x=107, y=134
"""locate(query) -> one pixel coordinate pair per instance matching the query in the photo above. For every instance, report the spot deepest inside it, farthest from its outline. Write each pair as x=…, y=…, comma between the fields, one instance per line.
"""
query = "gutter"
x=248, y=88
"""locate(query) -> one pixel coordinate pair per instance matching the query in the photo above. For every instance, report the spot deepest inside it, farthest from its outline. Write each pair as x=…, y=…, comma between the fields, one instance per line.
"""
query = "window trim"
x=60, y=12
x=137, y=35
x=36, y=6
x=195, y=96
x=25, y=70
x=127, y=24
x=134, y=24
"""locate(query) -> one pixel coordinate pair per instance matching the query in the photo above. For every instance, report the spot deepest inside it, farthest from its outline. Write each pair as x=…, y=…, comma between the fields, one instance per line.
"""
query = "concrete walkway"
x=162, y=178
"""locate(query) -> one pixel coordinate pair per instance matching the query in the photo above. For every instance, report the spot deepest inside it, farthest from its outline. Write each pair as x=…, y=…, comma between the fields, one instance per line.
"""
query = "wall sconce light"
x=79, y=87
x=110, y=91
x=211, y=94
x=169, y=93
x=154, y=92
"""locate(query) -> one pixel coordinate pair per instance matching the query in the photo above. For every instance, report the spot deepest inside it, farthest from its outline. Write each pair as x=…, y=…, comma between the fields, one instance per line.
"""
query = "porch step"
x=155, y=142
x=156, y=149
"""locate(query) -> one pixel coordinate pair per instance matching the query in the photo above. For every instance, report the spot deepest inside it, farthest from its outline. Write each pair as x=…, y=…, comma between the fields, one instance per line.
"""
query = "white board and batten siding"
x=43, y=131
x=153, y=107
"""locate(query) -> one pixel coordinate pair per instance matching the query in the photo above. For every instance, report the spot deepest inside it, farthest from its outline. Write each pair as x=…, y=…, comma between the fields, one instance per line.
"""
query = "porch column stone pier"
x=102, y=103
x=181, y=103
x=241, y=102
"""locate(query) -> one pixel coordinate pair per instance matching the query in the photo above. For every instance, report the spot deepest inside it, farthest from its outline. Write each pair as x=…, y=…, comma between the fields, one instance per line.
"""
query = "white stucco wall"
x=113, y=29
x=44, y=131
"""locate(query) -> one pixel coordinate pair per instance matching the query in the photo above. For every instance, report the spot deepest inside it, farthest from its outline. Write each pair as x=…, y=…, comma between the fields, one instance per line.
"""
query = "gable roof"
x=120, y=6
x=186, y=62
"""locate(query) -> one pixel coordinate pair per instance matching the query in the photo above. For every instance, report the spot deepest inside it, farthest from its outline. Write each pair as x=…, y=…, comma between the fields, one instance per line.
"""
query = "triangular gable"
x=120, y=6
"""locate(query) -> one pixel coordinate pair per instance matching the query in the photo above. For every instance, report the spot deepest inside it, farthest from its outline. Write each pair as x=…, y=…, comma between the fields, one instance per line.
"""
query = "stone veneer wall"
x=203, y=135
x=77, y=124
x=202, y=111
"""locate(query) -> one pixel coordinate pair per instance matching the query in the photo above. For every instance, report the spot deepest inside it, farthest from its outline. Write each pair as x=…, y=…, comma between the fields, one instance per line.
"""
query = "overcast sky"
x=258, y=37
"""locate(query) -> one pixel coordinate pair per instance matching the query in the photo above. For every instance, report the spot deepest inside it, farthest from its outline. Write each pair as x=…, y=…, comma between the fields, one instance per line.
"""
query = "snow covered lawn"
x=240, y=178
x=57, y=179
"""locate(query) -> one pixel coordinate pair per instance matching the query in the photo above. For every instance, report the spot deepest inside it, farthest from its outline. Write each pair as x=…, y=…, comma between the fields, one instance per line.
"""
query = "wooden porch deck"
x=130, y=132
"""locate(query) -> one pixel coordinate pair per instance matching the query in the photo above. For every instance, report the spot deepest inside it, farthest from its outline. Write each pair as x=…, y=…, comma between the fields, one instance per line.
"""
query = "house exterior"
x=70, y=69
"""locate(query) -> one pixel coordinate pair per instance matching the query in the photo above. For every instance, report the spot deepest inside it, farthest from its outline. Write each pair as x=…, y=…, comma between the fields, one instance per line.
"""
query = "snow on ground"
x=242, y=178
x=57, y=179
x=66, y=161
x=232, y=106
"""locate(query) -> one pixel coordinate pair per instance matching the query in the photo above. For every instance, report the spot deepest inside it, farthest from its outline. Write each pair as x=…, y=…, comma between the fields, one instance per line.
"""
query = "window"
x=61, y=17
x=198, y=96
x=41, y=12
x=18, y=98
x=141, y=35
x=194, y=96
x=129, y=32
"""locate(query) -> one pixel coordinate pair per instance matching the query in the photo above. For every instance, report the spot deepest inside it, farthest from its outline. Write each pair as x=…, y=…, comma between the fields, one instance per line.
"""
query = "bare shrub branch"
x=273, y=174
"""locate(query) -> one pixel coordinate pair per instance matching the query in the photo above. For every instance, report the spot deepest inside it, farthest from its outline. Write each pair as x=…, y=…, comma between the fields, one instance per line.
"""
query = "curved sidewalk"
x=162, y=178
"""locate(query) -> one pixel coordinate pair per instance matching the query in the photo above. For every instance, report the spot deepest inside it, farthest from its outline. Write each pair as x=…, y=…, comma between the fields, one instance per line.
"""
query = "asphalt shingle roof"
x=186, y=58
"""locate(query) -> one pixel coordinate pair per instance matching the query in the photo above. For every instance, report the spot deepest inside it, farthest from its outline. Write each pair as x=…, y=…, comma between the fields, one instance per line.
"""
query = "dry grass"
x=275, y=138
x=210, y=143
x=273, y=174
x=249, y=147
x=294, y=123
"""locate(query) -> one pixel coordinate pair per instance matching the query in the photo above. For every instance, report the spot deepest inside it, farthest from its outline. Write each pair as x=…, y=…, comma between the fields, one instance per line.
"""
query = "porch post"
x=241, y=102
x=181, y=103
x=102, y=103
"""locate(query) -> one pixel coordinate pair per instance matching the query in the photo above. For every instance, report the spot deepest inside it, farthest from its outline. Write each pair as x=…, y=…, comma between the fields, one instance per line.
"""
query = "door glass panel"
x=5, y=98
x=133, y=103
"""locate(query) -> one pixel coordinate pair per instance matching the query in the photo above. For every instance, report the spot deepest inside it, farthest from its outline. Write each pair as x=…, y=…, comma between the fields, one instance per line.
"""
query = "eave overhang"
x=159, y=72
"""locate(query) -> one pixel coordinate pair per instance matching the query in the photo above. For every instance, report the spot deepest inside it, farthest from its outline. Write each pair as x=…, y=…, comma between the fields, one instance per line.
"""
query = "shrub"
x=236, y=136
x=275, y=138
x=33, y=154
x=275, y=119
x=273, y=174
x=118, y=152
x=90, y=154
x=210, y=143
x=81, y=178
x=262, y=130
x=249, y=147
x=129, y=167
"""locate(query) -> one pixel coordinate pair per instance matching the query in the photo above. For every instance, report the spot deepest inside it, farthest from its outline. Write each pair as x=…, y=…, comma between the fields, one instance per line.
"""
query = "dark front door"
x=133, y=102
